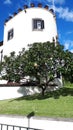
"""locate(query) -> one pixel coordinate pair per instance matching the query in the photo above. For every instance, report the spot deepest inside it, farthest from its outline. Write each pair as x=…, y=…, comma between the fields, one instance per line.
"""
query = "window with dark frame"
x=1, y=55
x=10, y=34
x=38, y=24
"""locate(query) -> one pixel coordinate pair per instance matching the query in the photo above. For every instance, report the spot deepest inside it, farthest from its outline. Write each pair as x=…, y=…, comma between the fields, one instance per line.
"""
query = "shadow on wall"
x=28, y=90
x=51, y=94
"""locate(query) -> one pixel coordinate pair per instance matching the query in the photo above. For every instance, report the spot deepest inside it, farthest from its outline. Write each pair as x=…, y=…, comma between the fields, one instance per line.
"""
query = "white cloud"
x=71, y=50
x=57, y=1
x=69, y=32
x=68, y=45
x=7, y=2
x=64, y=13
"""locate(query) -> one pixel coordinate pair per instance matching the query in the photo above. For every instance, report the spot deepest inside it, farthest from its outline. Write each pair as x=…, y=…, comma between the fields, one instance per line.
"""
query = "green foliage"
x=42, y=61
x=12, y=68
x=68, y=71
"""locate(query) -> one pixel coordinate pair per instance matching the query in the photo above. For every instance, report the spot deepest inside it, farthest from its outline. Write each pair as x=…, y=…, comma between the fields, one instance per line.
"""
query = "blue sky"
x=64, y=17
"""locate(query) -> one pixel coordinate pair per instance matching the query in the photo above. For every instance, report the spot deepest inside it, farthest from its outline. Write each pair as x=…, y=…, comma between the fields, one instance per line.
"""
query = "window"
x=10, y=34
x=38, y=24
x=1, y=55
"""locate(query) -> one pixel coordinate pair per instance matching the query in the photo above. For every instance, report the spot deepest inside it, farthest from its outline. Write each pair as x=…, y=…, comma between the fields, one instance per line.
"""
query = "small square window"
x=38, y=24
x=10, y=34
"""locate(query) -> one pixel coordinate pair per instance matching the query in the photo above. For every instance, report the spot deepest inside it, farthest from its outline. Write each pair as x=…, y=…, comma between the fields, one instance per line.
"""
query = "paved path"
x=38, y=122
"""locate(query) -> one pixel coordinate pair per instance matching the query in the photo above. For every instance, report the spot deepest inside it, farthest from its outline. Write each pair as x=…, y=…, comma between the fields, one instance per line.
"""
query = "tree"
x=68, y=70
x=11, y=68
x=43, y=62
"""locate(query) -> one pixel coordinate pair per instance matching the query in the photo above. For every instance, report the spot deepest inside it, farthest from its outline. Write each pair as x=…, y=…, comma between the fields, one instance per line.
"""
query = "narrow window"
x=10, y=34
x=38, y=24
x=1, y=55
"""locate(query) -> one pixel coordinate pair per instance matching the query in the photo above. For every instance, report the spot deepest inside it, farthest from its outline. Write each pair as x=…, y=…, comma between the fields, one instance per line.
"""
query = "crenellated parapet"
x=32, y=5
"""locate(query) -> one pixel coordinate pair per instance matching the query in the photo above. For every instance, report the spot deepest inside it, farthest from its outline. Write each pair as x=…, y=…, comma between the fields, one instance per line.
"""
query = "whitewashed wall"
x=14, y=92
x=23, y=30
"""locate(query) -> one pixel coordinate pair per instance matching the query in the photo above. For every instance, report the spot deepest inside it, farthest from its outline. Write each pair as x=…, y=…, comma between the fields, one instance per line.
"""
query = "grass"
x=54, y=104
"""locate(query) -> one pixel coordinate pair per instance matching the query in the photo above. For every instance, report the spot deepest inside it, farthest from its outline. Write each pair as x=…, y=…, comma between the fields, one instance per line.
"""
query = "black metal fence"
x=14, y=127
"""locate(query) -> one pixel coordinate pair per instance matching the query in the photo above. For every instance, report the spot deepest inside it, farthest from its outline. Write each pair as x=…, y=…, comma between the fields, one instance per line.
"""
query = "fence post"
x=28, y=117
x=1, y=126
x=13, y=127
x=7, y=127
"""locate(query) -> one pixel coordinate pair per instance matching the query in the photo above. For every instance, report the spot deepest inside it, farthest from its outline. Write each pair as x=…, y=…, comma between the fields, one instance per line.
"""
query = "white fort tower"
x=29, y=25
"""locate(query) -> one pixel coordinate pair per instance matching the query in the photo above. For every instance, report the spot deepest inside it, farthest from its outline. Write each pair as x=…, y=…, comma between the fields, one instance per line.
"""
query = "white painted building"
x=29, y=25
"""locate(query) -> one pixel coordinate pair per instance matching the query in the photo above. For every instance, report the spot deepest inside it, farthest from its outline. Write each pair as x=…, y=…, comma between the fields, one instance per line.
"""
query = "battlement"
x=32, y=5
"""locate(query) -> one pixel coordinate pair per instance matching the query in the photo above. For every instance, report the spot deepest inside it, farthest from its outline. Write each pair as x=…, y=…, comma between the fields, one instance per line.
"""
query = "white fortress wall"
x=22, y=25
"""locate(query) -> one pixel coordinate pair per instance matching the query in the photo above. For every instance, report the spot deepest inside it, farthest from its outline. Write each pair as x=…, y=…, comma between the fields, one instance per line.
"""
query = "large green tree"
x=42, y=62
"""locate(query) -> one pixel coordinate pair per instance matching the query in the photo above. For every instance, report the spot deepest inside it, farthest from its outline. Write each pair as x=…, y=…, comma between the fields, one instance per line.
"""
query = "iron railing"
x=14, y=127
